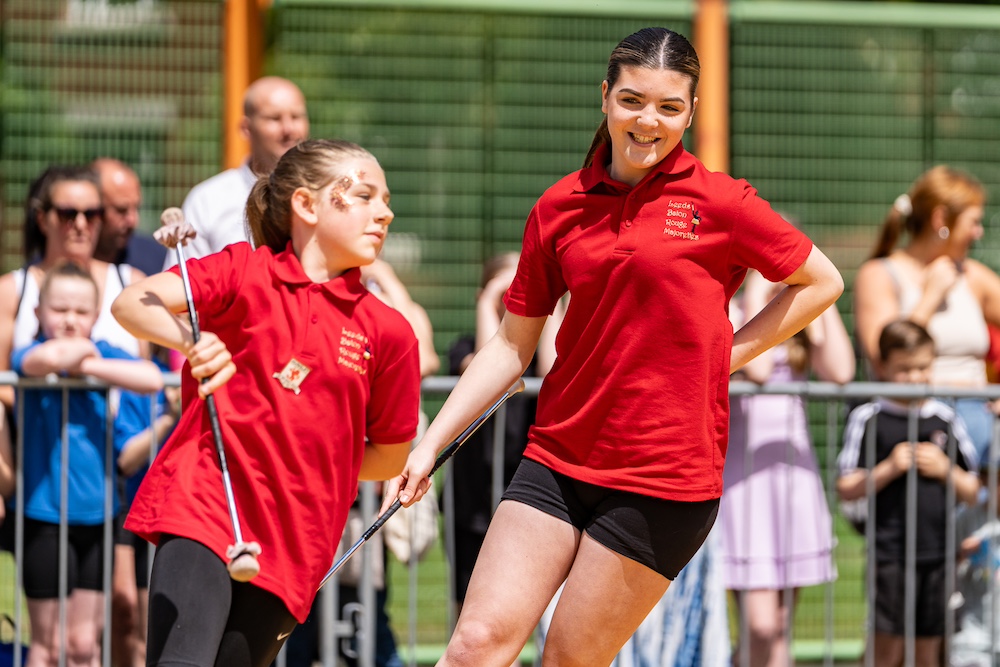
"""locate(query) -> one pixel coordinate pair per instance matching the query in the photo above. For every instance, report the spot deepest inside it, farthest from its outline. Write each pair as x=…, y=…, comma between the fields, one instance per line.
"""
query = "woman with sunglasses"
x=63, y=216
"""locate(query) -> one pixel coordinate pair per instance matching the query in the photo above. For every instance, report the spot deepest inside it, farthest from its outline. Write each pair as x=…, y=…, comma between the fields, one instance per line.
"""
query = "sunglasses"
x=68, y=215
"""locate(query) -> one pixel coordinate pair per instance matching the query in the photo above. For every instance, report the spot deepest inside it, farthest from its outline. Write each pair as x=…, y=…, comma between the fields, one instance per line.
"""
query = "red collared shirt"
x=638, y=397
x=294, y=433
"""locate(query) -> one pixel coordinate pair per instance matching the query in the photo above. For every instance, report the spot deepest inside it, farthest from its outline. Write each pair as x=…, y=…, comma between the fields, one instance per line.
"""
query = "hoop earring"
x=944, y=233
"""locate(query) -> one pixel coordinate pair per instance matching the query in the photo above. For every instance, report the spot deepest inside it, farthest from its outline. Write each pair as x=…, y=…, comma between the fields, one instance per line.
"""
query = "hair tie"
x=903, y=205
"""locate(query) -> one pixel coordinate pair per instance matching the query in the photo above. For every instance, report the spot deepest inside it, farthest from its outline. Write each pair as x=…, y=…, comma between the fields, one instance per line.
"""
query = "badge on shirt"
x=292, y=375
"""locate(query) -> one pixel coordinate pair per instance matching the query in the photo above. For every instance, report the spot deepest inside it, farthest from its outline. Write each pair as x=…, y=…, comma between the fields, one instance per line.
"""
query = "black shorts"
x=661, y=534
x=890, y=598
x=84, y=561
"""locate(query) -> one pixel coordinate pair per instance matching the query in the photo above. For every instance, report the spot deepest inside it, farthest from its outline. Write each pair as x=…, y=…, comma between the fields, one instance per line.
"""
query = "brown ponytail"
x=888, y=237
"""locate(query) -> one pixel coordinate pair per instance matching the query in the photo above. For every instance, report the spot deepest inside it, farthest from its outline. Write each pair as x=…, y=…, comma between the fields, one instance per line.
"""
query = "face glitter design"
x=338, y=193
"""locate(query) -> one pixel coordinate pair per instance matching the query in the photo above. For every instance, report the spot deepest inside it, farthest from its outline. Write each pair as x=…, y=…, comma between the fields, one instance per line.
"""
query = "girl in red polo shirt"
x=317, y=383
x=623, y=471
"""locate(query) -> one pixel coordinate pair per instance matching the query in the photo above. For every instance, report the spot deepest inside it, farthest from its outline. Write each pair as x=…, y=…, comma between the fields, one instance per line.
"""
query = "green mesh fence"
x=139, y=80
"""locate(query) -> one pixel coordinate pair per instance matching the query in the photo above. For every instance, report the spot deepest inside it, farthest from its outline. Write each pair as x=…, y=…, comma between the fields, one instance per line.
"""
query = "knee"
x=81, y=646
x=766, y=629
x=472, y=642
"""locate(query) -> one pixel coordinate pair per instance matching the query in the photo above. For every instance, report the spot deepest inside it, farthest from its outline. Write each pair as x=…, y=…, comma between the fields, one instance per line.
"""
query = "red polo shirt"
x=638, y=397
x=293, y=452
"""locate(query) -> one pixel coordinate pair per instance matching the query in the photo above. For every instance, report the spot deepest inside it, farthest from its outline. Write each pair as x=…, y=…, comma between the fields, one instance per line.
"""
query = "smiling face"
x=648, y=111
x=353, y=214
x=73, y=221
x=67, y=308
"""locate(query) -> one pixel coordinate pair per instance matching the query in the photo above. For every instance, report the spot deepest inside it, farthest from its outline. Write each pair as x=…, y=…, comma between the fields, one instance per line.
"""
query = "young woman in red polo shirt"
x=317, y=383
x=623, y=471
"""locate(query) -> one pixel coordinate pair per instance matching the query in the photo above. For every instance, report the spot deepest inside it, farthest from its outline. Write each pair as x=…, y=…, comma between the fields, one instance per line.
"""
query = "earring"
x=944, y=233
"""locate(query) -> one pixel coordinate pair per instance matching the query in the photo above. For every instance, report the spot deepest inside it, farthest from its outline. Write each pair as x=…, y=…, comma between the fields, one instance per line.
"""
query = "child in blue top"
x=67, y=310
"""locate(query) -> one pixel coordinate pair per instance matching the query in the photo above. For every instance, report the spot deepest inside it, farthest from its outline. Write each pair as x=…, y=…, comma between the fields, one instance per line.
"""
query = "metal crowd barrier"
x=361, y=624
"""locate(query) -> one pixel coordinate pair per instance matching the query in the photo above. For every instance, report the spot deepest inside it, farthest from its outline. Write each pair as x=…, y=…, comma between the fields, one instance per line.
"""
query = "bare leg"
x=84, y=623
x=139, y=656
x=769, y=617
x=525, y=557
x=605, y=599
x=124, y=613
x=888, y=650
x=928, y=651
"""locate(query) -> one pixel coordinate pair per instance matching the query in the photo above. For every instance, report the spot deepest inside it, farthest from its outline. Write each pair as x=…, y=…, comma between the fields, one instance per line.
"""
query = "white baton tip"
x=243, y=568
x=172, y=215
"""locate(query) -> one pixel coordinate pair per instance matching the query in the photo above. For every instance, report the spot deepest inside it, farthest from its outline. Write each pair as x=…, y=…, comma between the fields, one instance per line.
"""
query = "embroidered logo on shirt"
x=292, y=375
x=682, y=220
x=355, y=349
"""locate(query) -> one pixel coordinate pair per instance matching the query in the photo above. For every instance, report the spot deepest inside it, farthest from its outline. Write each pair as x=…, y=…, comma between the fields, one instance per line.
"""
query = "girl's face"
x=68, y=308
x=72, y=224
x=966, y=230
x=353, y=214
x=648, y=111
x=909, y=367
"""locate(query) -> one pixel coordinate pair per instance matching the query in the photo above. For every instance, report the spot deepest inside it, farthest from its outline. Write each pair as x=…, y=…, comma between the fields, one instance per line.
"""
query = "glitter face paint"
x=338, y=193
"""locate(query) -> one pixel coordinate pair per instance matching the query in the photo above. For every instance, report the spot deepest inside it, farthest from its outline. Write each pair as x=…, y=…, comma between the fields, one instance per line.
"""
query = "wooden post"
x=241, y=62
x=711, y=39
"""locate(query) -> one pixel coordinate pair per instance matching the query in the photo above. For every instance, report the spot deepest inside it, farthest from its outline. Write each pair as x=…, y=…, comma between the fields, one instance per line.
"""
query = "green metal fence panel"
x=138, y=80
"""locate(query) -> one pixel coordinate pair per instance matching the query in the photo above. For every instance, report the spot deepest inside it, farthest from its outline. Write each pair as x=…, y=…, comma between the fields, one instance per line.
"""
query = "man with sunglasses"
x=119, y=241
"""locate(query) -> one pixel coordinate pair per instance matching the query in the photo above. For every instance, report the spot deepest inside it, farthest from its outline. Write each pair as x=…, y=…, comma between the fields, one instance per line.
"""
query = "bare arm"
x=545, y=355
x=986, y=285
x=391, y=290
x=57, y=355
x=8, y=312
x=149, y=310
x=810, y=290
x=854, y=484
x=831, y=351
x=493, y=370
x=757, y=291
x=138, y=375
x=875, y=305
x=933, y=463
x=383, y=462
x=6, y=462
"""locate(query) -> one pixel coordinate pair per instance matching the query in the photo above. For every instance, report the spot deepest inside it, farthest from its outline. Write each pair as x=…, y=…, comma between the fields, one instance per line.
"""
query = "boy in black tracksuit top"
x=907, y=351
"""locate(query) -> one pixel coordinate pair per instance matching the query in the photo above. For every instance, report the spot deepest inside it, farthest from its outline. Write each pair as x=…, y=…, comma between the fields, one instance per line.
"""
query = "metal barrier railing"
x=361, y=627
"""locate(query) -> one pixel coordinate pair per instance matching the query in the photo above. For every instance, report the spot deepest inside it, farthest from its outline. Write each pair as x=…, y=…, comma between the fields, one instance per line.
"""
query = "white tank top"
x=961, y=338
x=106, y=328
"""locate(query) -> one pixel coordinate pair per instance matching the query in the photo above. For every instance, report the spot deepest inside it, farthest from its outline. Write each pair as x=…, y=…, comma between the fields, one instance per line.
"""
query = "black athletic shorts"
x=890, y=598
x=84, y=560
x=661, y=534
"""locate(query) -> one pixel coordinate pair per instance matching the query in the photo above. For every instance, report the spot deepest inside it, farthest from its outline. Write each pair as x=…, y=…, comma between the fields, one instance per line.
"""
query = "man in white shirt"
x=274, y=120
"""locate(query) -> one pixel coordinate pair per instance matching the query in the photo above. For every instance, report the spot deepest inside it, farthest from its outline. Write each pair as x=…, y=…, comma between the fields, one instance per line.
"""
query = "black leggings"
x=200, y=617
